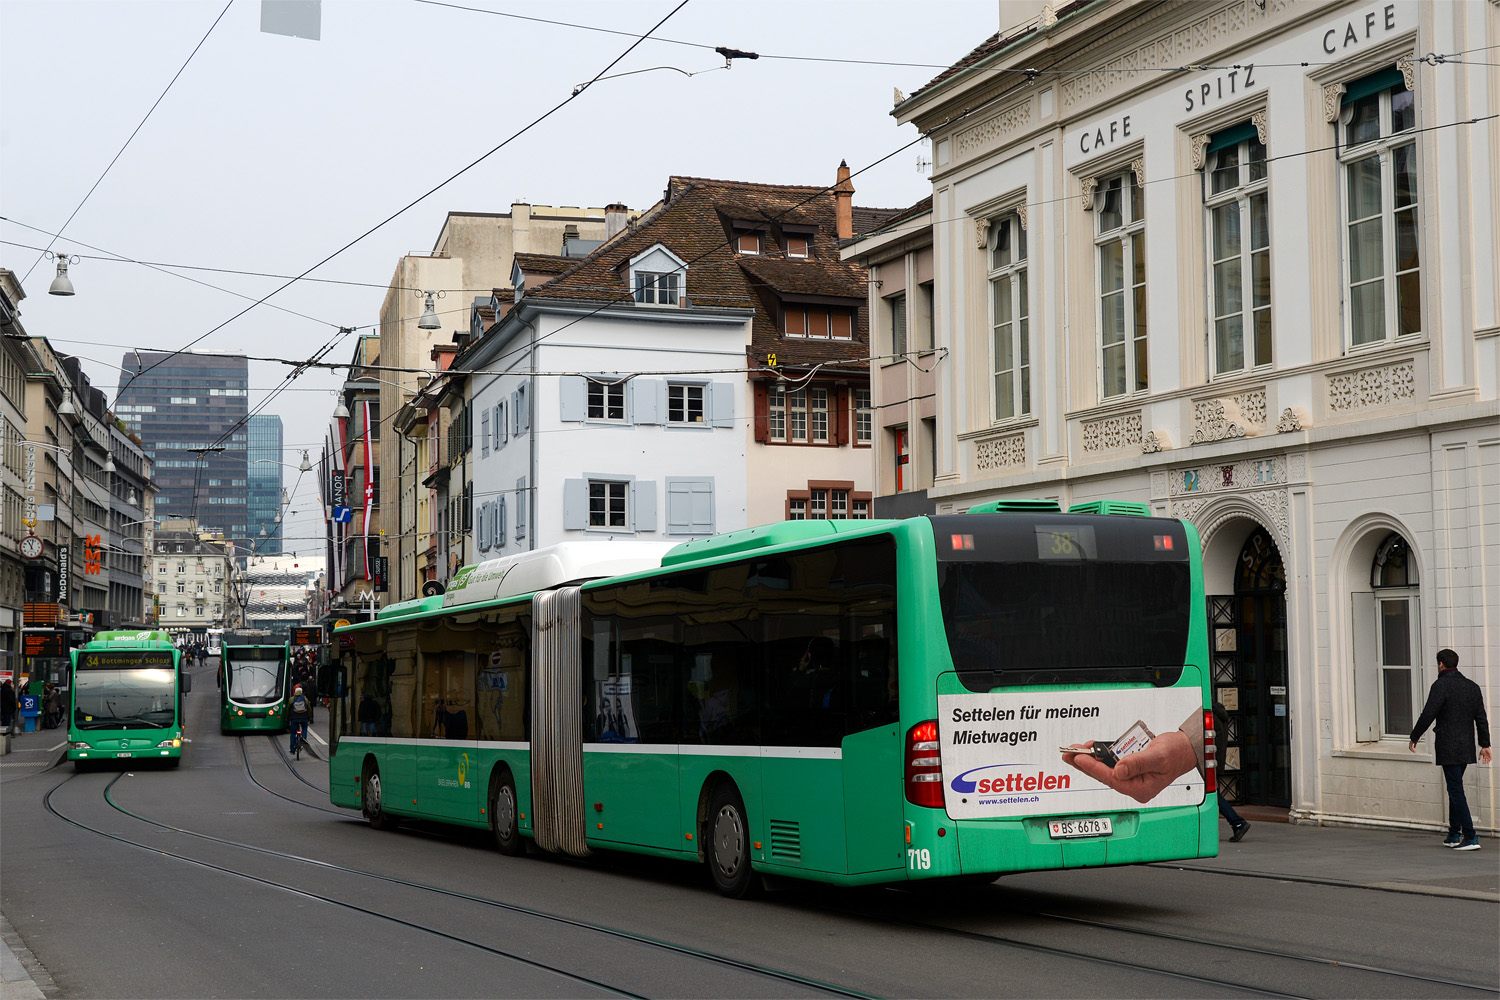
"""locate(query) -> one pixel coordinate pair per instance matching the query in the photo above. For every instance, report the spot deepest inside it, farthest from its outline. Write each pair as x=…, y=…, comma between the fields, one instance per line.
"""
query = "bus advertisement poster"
x=615, y=722
x=1003, y=752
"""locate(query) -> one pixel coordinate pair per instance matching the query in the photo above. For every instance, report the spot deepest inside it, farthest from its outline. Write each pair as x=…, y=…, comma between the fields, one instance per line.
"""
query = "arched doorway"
x=1250, y=677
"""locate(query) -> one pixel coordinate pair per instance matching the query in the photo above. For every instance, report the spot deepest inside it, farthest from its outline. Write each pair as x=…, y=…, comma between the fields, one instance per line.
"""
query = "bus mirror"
x=187, y=683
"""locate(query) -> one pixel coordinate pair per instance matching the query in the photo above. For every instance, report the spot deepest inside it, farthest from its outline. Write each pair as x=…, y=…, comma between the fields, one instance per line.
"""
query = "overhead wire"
x=130, y=138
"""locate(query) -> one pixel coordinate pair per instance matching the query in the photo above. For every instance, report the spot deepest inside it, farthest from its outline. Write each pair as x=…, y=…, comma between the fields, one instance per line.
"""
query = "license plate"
x=1090, y=826
x=132, y=755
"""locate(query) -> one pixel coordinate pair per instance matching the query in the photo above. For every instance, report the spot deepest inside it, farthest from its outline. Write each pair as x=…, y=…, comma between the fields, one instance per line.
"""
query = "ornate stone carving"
x=1112, y=432
x=1217, y=420
x=1200, y=150
x=1408, y=67
x=1262, y=123
x=1333, y=96
x=1021, y=214
x=1253, y=405
x=1232, y=477
x=1138, y=167
x=981, y=233
x=992, y=131
x=1269, y=506
x=1049, y=16
x=1293, y=418
x=1372, y=387
x=1184, y=44
x=1088, y=184
x=1296, y=468
x=1158, y=484
x=995, y=453
x=1156, y=441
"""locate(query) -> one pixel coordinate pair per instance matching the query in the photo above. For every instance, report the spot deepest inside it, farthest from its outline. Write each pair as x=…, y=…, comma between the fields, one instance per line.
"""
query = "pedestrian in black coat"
x=1456, y=704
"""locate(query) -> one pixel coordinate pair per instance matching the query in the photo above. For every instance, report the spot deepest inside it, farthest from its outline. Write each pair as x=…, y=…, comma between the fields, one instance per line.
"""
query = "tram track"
x=722, y=961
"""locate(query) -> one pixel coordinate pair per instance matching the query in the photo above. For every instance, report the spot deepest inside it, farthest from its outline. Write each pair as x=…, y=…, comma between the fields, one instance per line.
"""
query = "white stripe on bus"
x=685, y=749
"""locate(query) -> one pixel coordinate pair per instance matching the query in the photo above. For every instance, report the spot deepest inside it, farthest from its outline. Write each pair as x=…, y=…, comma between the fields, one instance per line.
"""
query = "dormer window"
x=748, y=243
x=796, y=246
x=656, y=289
x=658, y=277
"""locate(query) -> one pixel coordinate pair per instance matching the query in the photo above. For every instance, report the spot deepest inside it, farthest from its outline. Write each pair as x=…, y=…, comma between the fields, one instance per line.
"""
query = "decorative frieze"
x=997, y=453
x=1236, y=477
x=1372, y=387
x=1184, y=45
x=1112, y=432
x=992, y=131
x=1253, y=405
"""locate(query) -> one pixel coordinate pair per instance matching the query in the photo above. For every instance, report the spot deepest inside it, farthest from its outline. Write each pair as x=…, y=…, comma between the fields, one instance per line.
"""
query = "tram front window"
x=253, y=682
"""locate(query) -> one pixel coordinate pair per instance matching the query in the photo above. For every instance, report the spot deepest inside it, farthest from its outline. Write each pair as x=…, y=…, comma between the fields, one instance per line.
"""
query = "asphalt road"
x=233, y=877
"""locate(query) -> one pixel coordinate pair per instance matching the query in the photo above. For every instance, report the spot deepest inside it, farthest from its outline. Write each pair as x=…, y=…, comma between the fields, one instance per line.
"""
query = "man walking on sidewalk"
x=1457, y=705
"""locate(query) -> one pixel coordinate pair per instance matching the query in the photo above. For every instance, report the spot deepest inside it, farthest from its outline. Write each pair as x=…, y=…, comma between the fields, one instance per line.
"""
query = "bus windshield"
x=1063, y=599
x=139, y=698
x=255, y=681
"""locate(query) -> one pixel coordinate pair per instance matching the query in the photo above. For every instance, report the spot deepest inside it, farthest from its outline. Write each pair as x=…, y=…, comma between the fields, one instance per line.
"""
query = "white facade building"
x=1259, y=294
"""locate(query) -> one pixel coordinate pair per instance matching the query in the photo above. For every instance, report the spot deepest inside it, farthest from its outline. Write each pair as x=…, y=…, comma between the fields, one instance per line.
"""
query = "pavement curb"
x=22, y=975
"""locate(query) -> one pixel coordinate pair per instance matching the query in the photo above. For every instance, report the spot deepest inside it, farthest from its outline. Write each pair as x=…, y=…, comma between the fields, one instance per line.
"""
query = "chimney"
x=615, y=219
x=843, y=195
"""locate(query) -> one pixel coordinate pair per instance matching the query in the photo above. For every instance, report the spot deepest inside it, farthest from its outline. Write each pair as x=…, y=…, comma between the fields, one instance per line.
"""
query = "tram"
x=846, y=701
x=255, y=681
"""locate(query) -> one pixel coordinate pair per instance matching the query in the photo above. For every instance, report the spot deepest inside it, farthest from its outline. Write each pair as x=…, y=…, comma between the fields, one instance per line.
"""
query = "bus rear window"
x=1039, y=598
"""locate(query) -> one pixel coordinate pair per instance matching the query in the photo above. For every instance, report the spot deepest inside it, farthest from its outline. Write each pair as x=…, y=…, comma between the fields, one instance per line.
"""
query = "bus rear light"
x=1210, y=753
x=924, y=767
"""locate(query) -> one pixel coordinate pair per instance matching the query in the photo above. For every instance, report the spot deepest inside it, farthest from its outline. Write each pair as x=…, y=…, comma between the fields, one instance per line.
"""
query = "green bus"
x=255, y=681
x=845, y=701
x=126, y=699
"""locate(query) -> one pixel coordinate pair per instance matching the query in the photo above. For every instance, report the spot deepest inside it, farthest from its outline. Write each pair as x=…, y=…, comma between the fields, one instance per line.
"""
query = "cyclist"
x=299, y=710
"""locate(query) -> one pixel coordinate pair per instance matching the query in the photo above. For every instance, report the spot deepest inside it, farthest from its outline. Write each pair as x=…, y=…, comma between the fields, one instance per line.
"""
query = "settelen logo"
x=1010, y=778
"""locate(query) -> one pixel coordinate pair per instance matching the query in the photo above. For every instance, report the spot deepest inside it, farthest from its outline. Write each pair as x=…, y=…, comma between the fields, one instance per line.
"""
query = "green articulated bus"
x=255, y=680
x=127, y=699
x=846, y=701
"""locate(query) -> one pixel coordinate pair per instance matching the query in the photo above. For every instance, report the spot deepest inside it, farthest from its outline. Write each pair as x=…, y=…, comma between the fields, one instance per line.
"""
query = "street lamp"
x=62, y=284
x=429, y=320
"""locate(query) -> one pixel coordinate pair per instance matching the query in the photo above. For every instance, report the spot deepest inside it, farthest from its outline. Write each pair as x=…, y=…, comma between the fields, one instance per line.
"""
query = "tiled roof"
x=867, y=220
x=693, y=223
x=995, y=43
x=544, y=263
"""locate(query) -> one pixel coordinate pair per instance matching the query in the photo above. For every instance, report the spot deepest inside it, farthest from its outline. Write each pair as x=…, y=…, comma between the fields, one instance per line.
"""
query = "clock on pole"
x=31, y=547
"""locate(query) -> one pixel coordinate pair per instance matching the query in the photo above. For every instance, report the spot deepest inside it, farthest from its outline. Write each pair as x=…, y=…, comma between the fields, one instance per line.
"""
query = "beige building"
x=1258, y=294
x=193, y=572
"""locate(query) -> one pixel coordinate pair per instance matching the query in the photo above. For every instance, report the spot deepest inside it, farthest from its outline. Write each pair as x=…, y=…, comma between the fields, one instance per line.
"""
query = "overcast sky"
x=269, y=153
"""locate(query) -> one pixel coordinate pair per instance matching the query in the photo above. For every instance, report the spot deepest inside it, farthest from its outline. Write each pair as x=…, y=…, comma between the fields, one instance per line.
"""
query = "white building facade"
x=1259, y=294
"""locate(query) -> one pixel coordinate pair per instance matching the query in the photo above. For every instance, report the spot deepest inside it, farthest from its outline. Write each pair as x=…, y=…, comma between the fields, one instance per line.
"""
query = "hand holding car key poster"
x=1029, y=753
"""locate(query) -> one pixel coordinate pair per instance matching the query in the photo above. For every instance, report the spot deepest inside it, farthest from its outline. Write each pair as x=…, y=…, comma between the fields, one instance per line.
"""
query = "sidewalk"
x=1390, y=860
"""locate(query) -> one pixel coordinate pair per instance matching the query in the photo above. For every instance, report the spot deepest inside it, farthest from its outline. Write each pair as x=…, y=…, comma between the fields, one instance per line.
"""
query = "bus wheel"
x=370, y=803
x=729, y=844
x=174, y=761
x=504, y=816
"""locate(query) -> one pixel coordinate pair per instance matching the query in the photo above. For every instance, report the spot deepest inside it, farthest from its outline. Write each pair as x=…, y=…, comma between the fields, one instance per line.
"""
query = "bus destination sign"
x=124, y=659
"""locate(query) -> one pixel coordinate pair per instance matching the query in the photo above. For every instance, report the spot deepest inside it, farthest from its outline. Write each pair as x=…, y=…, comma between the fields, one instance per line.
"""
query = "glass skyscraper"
x=181, y=405
x=264, y=457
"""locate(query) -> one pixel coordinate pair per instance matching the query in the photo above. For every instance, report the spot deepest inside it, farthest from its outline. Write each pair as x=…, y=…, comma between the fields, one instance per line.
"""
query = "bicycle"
x=299, y=740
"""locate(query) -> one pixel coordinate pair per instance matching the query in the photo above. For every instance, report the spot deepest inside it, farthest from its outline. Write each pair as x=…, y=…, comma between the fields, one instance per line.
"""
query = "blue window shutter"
x=500, y=522
x=522, y=502
x=483, y=535
x=690, y=506
x=502, y=428
x=523, y=411
x=644, y=505
x=574, y=391
x=515, y=412
x=648, y=408
x=575, y=504
x=484, y=422
x=721, y=401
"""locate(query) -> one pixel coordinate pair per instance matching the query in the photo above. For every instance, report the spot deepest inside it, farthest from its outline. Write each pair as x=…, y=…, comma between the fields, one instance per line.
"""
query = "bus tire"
x=505, y=815
x=174, y=762
x=727, y=833
x=370, y=800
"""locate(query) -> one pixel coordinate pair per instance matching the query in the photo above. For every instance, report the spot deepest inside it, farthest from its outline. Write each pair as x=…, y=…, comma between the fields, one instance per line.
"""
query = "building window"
x=1120, y=238
x=748, y=243
x=1379, y=158
x=606, y=400
x=181, y=587
x=798, y=417
x=796, y=246
x=652, y=288
x=895, y=313
x=817, y=322
x=685, y=404
x=864, y=417
x=607, y=504
x=1010, y=327
x=926, y=317
x=901, y=446
x=827, y=501
x=1239, y=250
x=1393, y=576
x=776, y=412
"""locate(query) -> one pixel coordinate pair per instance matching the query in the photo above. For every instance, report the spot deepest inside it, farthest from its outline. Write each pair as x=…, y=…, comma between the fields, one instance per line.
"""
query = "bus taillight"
x=924, y=767
x=1210, y=753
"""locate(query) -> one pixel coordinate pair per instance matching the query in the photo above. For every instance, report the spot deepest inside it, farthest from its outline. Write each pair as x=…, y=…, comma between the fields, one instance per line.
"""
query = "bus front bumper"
x=116, y=748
